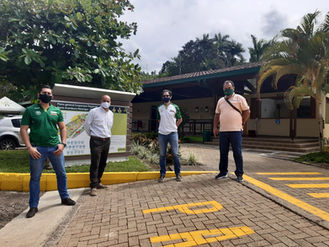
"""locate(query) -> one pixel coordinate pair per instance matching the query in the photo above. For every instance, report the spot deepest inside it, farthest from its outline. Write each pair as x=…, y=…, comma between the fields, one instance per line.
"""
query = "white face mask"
x=105, y=104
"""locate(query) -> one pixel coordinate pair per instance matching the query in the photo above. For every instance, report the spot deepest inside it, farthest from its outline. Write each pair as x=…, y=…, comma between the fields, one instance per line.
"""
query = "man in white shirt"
x=169, y=117
x=98, y=126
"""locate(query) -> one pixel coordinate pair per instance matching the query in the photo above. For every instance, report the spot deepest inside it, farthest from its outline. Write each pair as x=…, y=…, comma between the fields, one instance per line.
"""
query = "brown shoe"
x=101, y=186
x=93, y=192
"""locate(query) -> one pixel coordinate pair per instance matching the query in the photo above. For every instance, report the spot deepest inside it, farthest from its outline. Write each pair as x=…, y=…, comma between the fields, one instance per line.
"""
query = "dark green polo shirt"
x=43, y=124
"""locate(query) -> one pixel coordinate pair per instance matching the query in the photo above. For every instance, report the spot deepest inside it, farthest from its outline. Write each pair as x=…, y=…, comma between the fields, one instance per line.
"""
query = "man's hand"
x=33, y=151
x=215, y=131
x=60, y=148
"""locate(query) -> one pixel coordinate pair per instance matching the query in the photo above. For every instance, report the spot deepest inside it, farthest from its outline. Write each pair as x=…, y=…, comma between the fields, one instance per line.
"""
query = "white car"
x=10, y=137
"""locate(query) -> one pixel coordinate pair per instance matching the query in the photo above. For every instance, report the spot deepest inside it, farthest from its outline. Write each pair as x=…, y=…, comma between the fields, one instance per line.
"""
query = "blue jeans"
x=235, y=138
x=172, y=138
x=36, y=167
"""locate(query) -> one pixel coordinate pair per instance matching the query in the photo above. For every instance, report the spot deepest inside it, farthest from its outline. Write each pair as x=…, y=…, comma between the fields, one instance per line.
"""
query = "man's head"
x=46, y=94
x=106, y=101
x=228, y=88
x=166, y=96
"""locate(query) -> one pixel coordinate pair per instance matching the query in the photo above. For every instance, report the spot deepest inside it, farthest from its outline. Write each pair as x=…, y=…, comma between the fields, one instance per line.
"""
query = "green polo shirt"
x=43, y=124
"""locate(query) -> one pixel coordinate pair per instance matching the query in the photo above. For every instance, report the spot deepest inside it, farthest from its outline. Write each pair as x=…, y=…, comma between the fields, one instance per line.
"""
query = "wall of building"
x=271, y=127
x=142, y=111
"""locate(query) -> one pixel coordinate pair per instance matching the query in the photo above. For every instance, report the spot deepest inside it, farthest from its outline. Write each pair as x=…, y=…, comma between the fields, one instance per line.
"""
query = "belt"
x=100, y=138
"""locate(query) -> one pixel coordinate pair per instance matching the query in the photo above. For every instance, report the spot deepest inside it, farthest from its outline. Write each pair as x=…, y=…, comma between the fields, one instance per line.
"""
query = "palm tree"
x=259, y=46
x=304, y=52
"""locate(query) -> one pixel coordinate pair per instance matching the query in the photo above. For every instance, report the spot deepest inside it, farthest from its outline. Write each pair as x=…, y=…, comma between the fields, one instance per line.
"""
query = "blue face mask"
x=165, y=99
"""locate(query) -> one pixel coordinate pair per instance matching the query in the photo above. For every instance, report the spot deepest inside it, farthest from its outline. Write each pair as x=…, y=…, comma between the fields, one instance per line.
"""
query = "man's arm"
x=26, y=139
x=179, y=121
x=87, y=123
x=245, y=116
x=62, y=132
x=215, y=124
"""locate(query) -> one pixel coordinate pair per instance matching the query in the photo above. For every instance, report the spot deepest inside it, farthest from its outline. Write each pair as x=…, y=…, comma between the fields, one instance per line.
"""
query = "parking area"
x=197, y=212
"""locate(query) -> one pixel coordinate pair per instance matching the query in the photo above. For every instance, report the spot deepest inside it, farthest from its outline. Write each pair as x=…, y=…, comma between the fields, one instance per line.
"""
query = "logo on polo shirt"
x=53, y=113
x=38, y=112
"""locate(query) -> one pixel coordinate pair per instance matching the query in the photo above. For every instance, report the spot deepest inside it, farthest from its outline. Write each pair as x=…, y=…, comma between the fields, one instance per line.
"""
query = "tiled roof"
x=202, y=73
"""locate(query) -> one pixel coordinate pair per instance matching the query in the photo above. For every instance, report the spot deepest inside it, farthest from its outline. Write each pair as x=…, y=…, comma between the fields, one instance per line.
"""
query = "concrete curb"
x=20, y=181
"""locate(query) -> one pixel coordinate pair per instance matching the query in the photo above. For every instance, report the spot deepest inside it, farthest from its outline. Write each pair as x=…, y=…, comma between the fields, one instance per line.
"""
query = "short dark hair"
x=44, y=86
x=227, y=82
x=166, y=91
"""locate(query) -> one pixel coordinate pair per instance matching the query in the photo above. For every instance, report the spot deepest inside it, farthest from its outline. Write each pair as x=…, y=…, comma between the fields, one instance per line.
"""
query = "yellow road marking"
x=199, y=237
x=308, y=186
x=288, y=173
x=185, y=208
x=319, y=195
x=301, y=178
x=307, y=207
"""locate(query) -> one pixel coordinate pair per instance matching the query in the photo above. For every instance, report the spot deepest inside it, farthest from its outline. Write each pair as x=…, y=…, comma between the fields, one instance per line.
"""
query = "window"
x=277, y=108
x=16, y=122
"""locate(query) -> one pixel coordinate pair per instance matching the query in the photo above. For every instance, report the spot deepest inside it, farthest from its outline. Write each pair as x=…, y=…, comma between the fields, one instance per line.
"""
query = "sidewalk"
x=267, y=210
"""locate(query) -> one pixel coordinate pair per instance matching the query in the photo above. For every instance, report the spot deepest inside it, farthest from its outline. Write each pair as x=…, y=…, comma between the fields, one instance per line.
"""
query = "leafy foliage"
x=304, y=52
x=70, y=41
x=205, y=54
x=259, y=46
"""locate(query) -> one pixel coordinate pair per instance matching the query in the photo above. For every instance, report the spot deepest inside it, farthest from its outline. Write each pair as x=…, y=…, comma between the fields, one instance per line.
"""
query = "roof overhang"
x=90, y=92
x=227, y=72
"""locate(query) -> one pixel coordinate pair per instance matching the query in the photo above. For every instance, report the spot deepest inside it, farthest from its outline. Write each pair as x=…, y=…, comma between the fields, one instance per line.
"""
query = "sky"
x=164, y=26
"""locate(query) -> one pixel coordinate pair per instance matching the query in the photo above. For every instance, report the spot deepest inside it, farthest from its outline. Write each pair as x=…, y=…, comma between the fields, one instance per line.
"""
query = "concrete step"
x=283, y=144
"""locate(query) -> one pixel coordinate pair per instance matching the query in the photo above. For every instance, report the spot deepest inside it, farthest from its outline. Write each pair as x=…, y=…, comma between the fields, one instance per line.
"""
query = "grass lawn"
x=192, y=139
x=18, y=161
x=314, y=157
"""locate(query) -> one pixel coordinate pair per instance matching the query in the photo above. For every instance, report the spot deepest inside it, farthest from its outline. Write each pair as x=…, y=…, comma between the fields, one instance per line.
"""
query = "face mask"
x=165, y=100
x=45, y=98
x=105, y=104
x=228, y=91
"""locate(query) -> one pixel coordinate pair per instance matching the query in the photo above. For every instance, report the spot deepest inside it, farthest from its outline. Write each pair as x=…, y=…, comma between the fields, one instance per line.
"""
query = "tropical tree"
x=303, y=52
x=258, y=49
x=205, y=54
x=70, y=41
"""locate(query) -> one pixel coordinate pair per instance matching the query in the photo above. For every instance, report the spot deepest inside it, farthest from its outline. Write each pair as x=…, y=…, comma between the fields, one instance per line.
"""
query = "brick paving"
x=115, y=217
x=245, y=216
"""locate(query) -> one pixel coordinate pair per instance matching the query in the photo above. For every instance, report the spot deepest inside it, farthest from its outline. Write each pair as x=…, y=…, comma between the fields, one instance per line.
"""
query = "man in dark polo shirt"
x=43, y=142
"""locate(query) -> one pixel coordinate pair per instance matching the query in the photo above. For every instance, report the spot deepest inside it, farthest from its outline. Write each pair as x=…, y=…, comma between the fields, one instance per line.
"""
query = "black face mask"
x=165, y=99
x=45, y=98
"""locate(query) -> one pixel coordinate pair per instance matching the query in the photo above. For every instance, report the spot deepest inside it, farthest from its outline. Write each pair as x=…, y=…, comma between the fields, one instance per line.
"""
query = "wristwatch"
x=63, y=144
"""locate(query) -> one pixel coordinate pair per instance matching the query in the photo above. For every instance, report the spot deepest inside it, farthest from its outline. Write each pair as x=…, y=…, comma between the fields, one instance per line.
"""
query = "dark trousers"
x=235, y=138
x=99, y=150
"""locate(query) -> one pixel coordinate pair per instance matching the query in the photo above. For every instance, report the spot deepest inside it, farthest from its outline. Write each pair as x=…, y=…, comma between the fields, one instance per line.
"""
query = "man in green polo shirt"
x=43, y=142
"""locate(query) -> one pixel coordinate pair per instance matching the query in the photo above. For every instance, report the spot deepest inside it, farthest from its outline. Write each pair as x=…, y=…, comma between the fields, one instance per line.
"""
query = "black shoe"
x=178, y=178
x=239, y=179
x=220, y=176
x=31, y=212
x=68, y=201
x=161, y=178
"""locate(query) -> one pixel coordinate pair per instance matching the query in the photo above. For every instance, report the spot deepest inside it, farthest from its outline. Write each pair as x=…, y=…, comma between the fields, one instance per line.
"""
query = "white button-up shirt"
x=99, y=122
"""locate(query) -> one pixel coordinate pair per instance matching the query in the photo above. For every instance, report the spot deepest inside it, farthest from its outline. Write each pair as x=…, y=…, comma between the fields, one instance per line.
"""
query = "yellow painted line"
x=200, y=237
x=308, y=186
x=186, y=208
x=319, y=195
x=300, y=178
x=288, y=173
x=307, y=207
